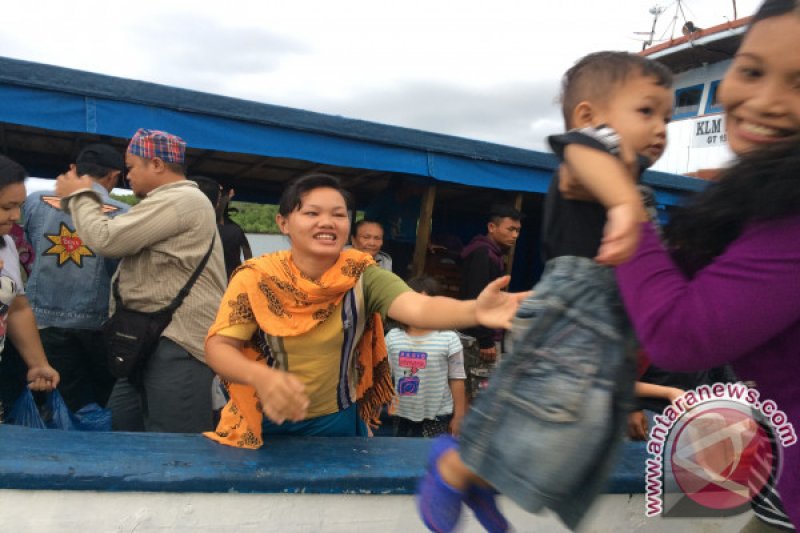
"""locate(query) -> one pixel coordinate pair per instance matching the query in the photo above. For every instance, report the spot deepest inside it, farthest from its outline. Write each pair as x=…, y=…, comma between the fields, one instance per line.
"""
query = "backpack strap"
x=176, y=303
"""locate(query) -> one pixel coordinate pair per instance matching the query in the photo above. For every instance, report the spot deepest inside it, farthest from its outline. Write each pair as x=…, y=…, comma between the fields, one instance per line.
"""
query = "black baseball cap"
x=101, y=155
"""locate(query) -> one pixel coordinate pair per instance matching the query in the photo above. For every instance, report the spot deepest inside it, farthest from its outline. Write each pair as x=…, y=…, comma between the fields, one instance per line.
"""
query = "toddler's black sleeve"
x=600, y=137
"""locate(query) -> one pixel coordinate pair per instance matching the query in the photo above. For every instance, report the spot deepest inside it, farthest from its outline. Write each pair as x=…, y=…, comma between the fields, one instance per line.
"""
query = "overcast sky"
x=477, y=69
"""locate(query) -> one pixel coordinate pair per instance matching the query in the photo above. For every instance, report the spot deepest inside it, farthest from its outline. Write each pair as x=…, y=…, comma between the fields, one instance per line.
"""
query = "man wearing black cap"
x=69, y=285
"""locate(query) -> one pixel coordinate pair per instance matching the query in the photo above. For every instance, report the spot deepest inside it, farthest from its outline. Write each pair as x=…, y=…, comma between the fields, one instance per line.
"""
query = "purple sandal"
x=482, y=502
x=439, y=504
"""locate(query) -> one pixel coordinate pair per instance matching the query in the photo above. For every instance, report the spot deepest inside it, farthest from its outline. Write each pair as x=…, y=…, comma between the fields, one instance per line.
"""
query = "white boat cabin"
x=696, y=143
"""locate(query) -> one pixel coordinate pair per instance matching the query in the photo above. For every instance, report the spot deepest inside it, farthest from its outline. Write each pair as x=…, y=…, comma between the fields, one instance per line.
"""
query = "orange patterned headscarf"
x=285, y=303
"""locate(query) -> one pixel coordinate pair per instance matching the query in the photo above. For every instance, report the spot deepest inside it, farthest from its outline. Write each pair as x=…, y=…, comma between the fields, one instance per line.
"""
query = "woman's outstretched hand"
x=496, y=308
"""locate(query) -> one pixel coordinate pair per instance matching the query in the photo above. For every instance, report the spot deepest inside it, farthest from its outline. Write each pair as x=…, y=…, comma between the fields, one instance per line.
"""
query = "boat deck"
x=75, y=460
x=52, y=481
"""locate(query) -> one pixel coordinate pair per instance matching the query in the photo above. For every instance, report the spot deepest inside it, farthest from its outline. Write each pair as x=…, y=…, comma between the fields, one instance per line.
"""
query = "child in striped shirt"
x=428, y=371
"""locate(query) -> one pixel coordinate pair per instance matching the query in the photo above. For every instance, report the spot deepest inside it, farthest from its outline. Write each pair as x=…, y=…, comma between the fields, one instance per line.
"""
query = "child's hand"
x=571, y=189
x=637, y=425
x=620, y=235
x=455, y=425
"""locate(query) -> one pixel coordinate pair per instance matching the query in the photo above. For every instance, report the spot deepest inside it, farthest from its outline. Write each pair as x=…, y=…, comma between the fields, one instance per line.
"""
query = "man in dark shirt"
x=234, y=241
x=483, y=260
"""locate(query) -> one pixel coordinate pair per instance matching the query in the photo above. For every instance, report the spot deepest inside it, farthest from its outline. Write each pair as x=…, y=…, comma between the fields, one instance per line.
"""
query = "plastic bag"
x=92, y=417
x=56, y=414
x=25, y=412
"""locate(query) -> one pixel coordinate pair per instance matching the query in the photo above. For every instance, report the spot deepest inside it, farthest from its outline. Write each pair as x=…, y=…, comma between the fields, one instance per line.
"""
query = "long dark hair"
x=775, y=8
x=761, y=185
x=11, y=172
x=596, y=76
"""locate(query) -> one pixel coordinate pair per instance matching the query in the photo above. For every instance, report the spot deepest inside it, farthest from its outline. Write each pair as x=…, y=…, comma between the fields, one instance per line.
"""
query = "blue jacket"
x=69, y=285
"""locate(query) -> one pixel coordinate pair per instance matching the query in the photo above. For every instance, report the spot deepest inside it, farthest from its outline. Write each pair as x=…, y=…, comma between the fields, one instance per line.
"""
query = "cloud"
x=517, y=114
x=489, y=70
x=199, y=51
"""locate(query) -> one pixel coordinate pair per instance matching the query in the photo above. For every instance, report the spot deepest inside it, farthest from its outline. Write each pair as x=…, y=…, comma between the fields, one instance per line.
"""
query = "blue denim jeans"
x=546, y=429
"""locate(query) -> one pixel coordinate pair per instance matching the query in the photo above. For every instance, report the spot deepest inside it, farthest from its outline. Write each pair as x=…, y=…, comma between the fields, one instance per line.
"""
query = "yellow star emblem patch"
x=68, y=246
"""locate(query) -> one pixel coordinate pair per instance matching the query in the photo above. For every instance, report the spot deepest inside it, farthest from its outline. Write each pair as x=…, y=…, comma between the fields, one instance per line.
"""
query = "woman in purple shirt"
x=728, y=290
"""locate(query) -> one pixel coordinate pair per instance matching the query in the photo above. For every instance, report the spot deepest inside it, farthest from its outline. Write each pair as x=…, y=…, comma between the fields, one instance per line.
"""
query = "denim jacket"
x=70, y=283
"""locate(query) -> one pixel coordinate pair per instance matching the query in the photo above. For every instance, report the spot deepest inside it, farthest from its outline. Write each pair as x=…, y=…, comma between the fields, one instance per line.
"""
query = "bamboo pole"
x=423, y=230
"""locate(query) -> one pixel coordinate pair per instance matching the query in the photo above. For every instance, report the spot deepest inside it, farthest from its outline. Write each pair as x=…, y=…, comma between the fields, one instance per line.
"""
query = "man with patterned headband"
x=162, y=240
x=69, y=284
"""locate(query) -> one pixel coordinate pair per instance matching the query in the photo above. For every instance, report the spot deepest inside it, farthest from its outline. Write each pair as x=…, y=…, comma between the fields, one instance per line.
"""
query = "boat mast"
x=656, y=10
x=735, y=16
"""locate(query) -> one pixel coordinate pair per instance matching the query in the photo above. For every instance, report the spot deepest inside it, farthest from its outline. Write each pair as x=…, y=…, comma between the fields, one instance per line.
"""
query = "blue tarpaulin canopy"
x=58, y=99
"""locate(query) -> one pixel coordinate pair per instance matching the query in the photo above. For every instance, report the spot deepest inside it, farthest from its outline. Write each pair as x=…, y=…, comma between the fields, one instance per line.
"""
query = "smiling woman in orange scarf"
x=298, y=338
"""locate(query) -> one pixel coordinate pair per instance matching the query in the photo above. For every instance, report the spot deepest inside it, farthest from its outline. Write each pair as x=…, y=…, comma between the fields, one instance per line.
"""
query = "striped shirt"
x=161, y=241
x=768, y=507
x=767, y=504
x=422, y=367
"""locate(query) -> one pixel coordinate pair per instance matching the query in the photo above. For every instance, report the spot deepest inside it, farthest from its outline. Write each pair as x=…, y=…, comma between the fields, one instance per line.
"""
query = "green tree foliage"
x=260, y=218
x=129, y=199
x=255, y=218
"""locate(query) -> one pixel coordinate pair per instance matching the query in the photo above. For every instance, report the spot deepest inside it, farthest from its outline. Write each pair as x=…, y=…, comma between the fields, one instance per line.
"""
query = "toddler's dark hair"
x=425, y=284
x=595, y=77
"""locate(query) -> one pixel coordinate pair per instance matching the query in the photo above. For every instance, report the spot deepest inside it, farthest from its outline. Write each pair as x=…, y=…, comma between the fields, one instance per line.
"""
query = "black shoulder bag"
x=131, y=336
